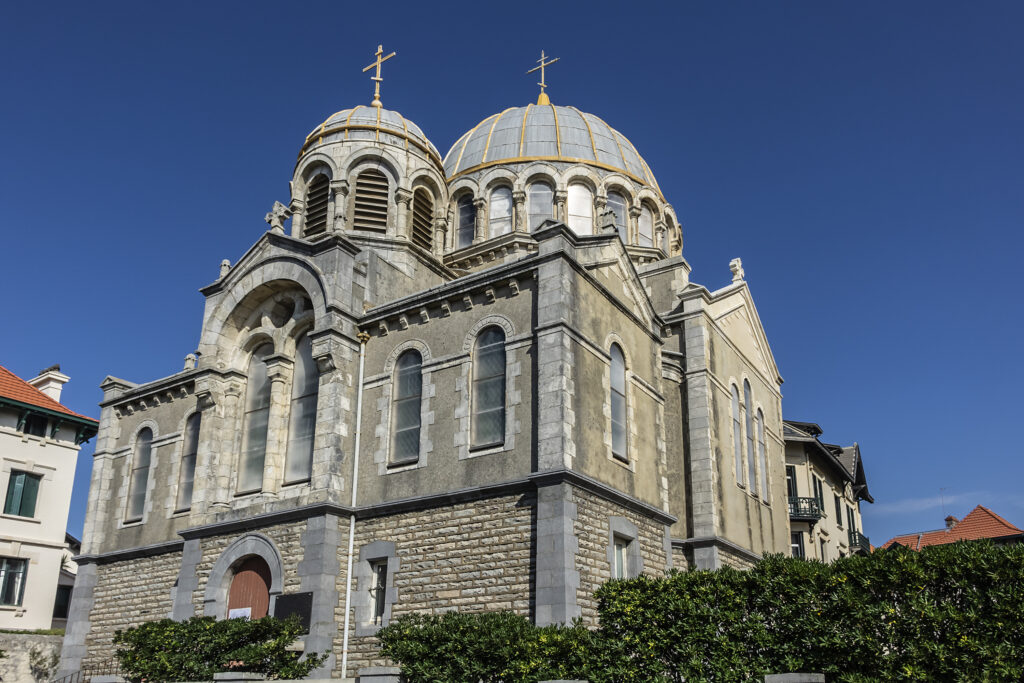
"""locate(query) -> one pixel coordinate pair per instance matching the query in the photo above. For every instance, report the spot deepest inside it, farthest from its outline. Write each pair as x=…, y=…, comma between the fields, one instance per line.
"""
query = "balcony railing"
x=859, y=543
x=804, y=509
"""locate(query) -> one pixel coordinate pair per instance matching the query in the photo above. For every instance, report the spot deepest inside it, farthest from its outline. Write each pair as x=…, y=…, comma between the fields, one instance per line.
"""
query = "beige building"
x=39, y=444
x=825, y=485
x=480, y=380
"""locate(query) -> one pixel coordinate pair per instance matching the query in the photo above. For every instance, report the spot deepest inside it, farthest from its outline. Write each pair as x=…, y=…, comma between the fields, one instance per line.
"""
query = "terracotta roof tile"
x=17, y=389
x=980, y=523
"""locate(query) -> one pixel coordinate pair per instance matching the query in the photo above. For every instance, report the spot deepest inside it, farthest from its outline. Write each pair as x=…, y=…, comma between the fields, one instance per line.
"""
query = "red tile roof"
x=980, y=523
x=17, y=389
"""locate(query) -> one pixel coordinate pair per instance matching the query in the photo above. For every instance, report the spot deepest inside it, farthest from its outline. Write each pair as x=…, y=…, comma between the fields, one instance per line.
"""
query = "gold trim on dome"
x=428, y=149
x=558, y=136
x=487, y=145
x=522, y=131
x=571, y=160
x=468, y=136
x=586, y=123
x=405, y=129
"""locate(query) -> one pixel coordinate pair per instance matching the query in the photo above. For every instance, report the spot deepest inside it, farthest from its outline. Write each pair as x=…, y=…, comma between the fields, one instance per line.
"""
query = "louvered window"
x=422, y=219
x=371, y=207
x=316, y=205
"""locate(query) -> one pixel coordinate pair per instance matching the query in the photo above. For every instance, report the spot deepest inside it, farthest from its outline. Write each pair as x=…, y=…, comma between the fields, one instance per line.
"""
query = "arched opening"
x=371, y=201
x=422, y=219
x=645, y=227
x=317, y=197
x=617, y=205
x=466, y=217
x=581, y=209
x=500, y=217
x=406, y=405
x=540, y=204
x=249, y=594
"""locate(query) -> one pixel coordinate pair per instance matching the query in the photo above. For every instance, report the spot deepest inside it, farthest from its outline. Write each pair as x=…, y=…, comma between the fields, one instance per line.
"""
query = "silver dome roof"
x=370, y=123
x=546, y=132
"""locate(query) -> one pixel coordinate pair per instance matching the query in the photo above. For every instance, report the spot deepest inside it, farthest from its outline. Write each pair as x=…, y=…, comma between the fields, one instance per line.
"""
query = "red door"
x=250, y=588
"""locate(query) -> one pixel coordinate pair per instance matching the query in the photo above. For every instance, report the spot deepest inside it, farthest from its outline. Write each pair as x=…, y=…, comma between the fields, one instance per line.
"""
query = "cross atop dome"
x=377, y=78
x=543, y=97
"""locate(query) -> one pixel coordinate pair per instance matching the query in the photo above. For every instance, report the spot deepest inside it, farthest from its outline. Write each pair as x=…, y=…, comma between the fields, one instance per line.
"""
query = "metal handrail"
x=110, y=667
x=805, y=508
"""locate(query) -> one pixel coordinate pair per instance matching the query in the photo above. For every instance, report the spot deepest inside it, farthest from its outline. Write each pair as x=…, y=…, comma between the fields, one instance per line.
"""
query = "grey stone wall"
x=23, y=650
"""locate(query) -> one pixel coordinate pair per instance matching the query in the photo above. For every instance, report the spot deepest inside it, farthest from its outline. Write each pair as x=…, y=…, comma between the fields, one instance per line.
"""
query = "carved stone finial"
x=277, y=215
x=736, y=266
x=225, y=267
x=190, y=361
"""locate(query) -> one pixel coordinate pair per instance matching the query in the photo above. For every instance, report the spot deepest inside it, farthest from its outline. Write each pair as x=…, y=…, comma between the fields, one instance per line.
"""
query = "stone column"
x=702, y=458
x=78, y=625
x=318, y=573
x=632, y=229
x=557, y=545
x=519, y=197
x=298, y=209
x=339, y=204
x=403, y=198
x=220, y=442
x=481, y=218
x=659, y=233
x=561, y=196
x=279, y=372
x=440, y=234
x=600, y=206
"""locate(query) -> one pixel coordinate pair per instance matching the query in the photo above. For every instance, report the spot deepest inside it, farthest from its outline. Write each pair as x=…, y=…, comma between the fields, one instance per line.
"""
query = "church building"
x=476, y=380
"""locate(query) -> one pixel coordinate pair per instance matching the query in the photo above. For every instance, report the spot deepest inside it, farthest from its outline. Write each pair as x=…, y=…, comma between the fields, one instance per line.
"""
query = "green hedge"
x=953, y=612
x=195, y=649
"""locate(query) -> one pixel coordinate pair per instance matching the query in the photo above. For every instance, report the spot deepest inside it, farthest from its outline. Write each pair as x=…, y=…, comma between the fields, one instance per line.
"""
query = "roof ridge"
x=35, y=396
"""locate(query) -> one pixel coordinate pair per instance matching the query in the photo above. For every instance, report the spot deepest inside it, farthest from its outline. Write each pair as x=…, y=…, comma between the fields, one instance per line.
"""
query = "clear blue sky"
x=864, y=159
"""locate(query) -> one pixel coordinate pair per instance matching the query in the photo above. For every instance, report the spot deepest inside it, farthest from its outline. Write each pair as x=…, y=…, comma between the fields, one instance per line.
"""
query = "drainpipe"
x=363, y=338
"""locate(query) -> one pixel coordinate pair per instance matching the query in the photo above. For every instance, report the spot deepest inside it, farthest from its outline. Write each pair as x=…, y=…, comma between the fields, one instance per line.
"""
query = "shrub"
x=195, y=649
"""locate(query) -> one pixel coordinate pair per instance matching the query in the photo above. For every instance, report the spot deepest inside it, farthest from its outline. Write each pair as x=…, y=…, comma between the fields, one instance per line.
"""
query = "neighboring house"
x=39, y=444
x=825, y=485
x=481, y=381
x=978, y=524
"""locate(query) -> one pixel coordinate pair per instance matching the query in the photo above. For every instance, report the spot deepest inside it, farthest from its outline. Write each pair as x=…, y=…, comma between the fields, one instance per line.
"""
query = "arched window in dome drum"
x=317, y=196
x=298, y=464
x=422, y=219
x=617, y=205
x=645, y=227
x=500, y=215
x=540, y=204
x=257, y=419
x=405, y=405
x=467, y=221
x=581, y=209
x=371, y=201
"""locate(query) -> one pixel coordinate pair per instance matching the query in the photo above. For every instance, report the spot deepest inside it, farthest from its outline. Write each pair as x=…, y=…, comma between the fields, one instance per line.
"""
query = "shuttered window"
x=187, y=475
x=140, y=475
x=317, y=196
x=371, y=202
x=406, y=407
x=423, y=219
x=22, y=491
x=489, y=388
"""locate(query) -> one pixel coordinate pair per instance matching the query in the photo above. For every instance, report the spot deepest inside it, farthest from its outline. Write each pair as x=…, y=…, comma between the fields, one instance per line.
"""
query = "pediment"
x=739, y=322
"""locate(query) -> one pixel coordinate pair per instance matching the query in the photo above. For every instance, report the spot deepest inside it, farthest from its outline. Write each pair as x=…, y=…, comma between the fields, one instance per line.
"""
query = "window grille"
x=371, y=201
x=422, y=219
x=317, y=197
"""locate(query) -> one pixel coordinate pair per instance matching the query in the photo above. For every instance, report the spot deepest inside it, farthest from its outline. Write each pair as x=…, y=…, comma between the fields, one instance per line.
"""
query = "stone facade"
x=595, y=433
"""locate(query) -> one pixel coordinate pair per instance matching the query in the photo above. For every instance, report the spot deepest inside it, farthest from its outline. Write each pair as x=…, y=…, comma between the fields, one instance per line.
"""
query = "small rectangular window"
x=12, y=580
x=62, y=602
x=22, y=491
x=379, y=589
x=839, y=511
x=791, y=481
x=619, y=568
x=849, y=519
x=822, y=546
x=34, y=425
x=796, y=544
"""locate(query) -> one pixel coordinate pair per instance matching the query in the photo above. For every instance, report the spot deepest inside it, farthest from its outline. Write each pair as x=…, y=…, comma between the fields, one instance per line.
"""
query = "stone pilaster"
x=403, y=198
x=557, y=546
x=188, y=581
x=336, y=357
x=561, y=197
x=480, y=229
x=279, y=372
x=298, y=208
x=632, y=225
x=339, y=204
x=318, y=573
x=519, y=197
x=702, y=457
x=79, y=624
x=440, y=234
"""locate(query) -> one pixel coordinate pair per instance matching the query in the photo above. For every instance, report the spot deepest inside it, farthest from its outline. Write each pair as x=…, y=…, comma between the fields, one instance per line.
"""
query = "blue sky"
x=864, y=159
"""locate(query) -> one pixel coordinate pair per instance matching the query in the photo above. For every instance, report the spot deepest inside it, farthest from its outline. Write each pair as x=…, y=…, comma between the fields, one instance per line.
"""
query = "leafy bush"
x=195, y=649
x=953, y=612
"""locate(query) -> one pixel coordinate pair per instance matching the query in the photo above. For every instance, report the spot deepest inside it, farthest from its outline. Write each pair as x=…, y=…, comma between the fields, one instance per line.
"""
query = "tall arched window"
x=617, y=205
x=500, y=215
x=370, y=210
x=298, y=463
x=748, y=404
x=489, y=388
x=423, y=219
x=540, y=204
x=317, y=197
x=406, y=407
x=257, y=417
x=581, y=209
x=187, y=470
x=618, y=400
x=737, y=434
x=645, y=227
x=762, y=454
x=466, y=217
x=140, y=475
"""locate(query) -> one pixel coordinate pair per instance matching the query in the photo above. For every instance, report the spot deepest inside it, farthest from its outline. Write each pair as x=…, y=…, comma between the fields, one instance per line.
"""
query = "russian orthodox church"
x=480, y=380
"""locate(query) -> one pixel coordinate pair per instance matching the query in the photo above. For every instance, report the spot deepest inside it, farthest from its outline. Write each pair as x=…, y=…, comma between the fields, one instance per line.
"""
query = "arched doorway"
x=249, y=595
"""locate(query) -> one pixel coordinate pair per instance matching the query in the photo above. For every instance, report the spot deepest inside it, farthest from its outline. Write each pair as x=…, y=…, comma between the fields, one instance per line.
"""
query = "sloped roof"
x=978, y=524
x=16, y=389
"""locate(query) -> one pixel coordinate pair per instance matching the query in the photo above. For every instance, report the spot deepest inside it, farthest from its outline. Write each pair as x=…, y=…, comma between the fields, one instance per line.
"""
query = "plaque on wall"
x=240, y=613
x=300, y=604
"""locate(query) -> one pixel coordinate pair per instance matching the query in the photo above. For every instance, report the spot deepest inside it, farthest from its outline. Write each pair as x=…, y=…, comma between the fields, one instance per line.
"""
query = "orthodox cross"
x=543, y=61
x=376, y=78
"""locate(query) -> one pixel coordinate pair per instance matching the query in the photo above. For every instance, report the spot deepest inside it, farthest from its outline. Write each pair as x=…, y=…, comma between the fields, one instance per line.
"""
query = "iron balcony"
x=804, y=509
x=859, y=543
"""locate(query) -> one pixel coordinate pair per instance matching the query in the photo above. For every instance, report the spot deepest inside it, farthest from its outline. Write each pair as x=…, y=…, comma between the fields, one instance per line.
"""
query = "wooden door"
x=250, y=588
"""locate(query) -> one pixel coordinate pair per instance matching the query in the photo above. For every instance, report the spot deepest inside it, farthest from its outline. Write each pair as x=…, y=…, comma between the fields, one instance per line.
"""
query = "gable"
x=740, y=325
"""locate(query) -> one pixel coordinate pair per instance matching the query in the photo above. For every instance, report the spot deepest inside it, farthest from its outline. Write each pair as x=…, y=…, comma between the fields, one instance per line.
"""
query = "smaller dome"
x=370, y=123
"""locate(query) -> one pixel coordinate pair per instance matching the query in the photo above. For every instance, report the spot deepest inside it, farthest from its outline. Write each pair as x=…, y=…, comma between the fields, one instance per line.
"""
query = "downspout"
x=363, y=338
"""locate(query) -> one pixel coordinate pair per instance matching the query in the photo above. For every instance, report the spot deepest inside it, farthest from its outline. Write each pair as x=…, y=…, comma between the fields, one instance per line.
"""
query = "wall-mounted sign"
x=240, y=613
x=300, y=604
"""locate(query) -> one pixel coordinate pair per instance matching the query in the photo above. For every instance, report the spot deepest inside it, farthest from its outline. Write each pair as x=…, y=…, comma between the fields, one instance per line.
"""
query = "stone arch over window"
x=500, y=211
x=138, y=473
x=215, y=598
x=423, y=218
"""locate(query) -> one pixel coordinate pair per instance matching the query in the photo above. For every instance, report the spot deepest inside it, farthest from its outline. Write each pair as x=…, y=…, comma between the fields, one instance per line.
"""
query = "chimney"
x=951, y=522
x=50, y=381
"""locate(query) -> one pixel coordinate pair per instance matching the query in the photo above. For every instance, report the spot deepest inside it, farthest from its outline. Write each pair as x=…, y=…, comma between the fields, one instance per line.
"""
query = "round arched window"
x=249, y=595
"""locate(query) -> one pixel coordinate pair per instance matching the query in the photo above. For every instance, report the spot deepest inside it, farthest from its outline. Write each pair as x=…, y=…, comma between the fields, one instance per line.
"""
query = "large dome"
x=370, y=123
x=546, y=132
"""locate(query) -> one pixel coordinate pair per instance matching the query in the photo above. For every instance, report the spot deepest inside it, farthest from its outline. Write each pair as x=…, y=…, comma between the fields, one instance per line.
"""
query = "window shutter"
x=14, y=489
x=422, y=220
x=29, y=495
x=371, y=204
x=316, y=205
